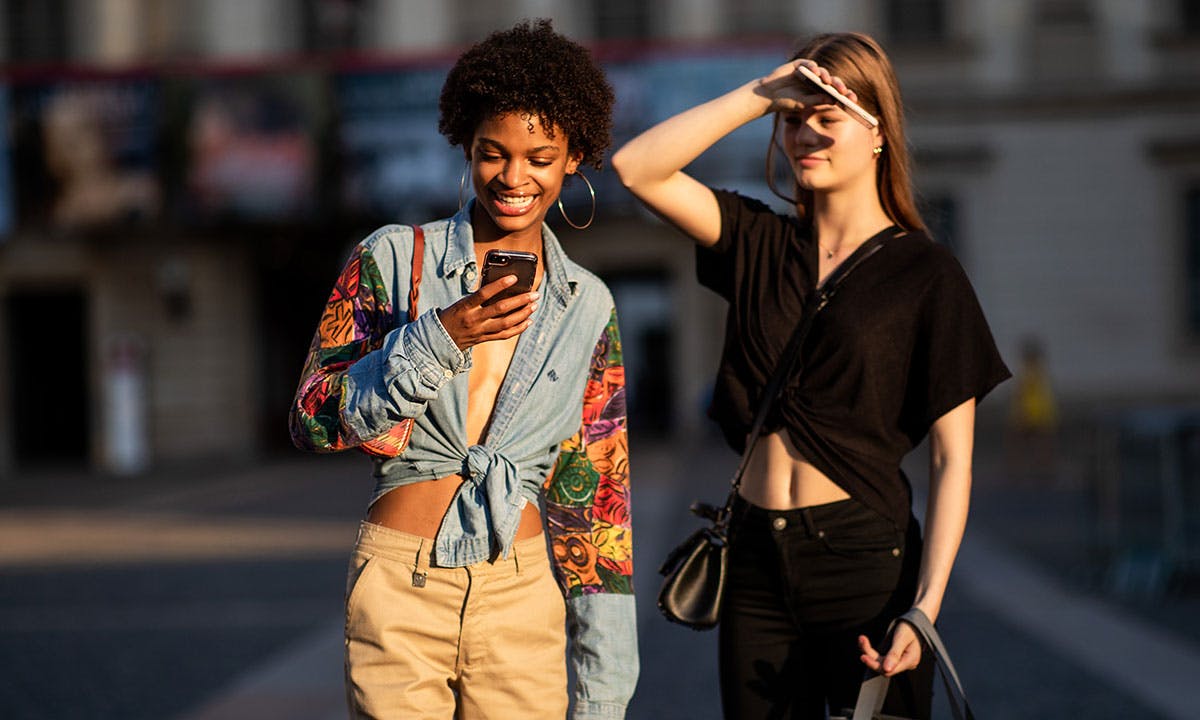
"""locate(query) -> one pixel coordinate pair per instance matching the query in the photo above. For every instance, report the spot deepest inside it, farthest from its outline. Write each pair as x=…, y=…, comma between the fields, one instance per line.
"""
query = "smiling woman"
x=517, y=410
x=517, y=169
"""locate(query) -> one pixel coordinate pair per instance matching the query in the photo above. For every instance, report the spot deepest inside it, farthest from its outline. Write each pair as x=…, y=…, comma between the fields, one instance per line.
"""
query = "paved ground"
x=214, y=592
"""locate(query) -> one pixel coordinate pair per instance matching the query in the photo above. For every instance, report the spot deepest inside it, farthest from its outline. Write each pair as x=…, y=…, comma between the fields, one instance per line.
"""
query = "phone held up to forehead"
x=851, y=107
x=498, y=263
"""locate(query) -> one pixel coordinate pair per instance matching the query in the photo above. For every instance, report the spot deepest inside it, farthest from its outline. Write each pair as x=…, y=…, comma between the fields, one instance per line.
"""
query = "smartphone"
x=851, y=107
x=498, y=263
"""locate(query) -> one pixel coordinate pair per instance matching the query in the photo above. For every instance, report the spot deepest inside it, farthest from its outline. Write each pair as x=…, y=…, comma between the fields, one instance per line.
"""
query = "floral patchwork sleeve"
x=354, y=322
x=588, y=520
x=587, y=494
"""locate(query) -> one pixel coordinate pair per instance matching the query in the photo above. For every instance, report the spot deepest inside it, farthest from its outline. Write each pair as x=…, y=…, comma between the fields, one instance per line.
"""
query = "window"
x=615, y=19
x=1065, y=42
x=1192, y=256
x=1189, y=16
x=331, y=25
x=759, y=17
x=1064, y=14
x=915, y=21
x=37, y=30
x=1179, y=157
x=476, y=19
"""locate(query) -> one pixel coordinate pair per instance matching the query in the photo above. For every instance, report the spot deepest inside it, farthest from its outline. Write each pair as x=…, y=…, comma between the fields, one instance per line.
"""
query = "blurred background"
x=179, y=184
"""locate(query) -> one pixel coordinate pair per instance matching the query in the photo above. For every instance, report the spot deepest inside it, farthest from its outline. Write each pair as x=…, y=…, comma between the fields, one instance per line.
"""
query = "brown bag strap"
x=418, y=263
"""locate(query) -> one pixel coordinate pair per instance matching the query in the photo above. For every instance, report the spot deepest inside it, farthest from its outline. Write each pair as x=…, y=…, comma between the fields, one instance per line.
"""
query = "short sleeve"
x=717, y=266
x=956, y=358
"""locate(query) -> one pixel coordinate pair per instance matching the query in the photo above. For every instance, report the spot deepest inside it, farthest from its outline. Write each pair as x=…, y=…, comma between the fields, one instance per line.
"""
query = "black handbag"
x=874, y=687
x=694, y=572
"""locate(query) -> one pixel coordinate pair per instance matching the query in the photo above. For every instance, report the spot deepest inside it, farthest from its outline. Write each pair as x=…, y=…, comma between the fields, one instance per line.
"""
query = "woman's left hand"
x=903, y=655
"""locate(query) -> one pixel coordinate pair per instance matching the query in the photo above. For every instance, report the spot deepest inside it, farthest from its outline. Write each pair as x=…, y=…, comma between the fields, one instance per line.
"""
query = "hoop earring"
x=462, y=183
x=591, y=190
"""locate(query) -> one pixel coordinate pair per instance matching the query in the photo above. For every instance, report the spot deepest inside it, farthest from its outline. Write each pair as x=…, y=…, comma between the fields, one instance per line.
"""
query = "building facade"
x=1056, y=142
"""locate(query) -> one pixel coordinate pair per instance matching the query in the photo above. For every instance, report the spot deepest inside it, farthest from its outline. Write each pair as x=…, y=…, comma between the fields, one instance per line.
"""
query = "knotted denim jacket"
x=557, y=434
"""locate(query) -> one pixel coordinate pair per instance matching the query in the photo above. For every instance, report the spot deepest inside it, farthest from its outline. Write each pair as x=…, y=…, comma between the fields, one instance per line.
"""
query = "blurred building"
x=181, y=180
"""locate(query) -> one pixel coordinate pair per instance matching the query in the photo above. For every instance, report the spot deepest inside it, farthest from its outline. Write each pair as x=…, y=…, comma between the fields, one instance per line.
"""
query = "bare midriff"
x=778, y=478
x=418, y=509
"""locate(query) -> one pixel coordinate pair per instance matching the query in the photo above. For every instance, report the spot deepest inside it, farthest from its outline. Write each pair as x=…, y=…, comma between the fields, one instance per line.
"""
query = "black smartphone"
x=851, y=107
x=498, y=263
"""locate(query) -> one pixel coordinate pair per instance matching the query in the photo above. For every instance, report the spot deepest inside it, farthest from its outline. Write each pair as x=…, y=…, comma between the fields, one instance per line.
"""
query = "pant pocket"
x=362, y=566
x=863, y=542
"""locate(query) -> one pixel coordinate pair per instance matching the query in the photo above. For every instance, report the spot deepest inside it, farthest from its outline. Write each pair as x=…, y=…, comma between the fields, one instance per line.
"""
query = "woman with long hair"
x=825, y=550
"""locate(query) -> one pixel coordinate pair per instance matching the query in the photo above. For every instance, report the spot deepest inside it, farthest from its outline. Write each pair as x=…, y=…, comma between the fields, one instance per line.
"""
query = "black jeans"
x=802, y=586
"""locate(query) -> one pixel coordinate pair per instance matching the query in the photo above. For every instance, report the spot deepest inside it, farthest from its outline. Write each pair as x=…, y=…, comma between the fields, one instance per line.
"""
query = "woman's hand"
x=903, y=655
x=789, y=91
x=470, y=322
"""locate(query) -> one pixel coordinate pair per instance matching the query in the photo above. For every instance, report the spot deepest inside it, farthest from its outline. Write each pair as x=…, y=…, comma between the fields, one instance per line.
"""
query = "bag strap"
x=418, y=263
x=874, y=688
x=954, y=688
x=787, y=360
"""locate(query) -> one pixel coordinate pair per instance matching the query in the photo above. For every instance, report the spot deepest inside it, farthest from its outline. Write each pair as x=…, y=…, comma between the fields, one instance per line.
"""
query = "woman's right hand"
x=789, y=91
x=470, y=322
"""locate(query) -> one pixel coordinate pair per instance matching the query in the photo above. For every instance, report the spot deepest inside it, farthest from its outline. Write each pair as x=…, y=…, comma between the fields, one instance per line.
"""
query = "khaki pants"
x=484, y=641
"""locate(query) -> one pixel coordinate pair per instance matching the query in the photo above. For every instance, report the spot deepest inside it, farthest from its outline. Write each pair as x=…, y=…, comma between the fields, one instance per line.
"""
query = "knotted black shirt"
x=903, y=342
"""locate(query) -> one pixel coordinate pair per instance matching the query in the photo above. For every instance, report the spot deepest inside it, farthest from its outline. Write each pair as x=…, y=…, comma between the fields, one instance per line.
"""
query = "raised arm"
x=651, y=165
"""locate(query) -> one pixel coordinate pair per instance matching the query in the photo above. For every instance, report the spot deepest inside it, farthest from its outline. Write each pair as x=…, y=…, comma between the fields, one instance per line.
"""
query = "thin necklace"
x=830, y=253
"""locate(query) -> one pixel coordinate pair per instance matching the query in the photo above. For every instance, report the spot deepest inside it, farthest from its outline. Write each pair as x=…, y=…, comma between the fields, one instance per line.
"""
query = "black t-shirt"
x=903, y=342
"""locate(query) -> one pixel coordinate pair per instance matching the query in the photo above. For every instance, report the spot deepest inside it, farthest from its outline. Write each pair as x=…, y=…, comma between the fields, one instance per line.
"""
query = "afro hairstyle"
x=532, y=69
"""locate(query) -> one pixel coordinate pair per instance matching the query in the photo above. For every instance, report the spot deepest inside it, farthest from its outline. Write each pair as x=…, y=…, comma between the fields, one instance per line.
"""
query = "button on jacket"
x=557, y=435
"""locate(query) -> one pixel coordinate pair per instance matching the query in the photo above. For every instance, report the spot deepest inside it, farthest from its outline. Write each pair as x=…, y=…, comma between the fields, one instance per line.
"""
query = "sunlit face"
x=828, y=149
x=517, y=171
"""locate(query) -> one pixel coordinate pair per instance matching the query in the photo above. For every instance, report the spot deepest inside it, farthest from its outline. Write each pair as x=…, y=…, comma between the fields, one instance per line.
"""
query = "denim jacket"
x=557, y=434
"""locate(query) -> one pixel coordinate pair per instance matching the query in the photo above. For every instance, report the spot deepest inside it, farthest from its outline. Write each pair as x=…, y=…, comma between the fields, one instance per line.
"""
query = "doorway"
x=47, y=365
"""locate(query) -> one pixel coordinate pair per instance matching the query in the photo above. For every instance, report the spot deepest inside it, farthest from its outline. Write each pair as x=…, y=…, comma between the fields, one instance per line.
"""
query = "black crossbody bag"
x=694, y=572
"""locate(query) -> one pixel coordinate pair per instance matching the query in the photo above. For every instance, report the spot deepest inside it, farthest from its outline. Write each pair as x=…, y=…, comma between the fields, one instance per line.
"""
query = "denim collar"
x=560, y=280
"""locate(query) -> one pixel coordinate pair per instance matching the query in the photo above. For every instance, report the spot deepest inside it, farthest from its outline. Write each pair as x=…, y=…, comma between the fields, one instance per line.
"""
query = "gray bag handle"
x=874, y=687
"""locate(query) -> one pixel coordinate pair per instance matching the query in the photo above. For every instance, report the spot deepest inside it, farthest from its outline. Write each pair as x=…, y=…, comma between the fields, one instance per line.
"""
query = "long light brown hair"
x=863, y=65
